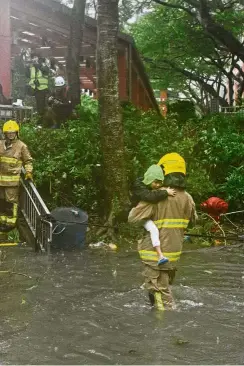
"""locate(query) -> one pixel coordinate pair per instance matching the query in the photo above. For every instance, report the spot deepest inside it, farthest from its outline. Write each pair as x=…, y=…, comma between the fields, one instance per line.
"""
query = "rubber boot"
x=158, y=301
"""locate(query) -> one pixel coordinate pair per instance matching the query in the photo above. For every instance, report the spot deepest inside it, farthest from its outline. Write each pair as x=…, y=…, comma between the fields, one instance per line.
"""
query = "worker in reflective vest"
x=39, y=82
x=171, y=216
x=13, y=155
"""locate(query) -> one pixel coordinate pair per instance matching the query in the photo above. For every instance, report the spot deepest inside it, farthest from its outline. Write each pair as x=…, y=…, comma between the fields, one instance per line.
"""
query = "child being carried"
x=152, y=183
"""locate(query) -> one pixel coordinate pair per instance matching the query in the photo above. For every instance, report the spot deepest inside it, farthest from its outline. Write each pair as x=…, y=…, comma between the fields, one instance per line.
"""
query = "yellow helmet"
x=173, y=163
x=10, y=126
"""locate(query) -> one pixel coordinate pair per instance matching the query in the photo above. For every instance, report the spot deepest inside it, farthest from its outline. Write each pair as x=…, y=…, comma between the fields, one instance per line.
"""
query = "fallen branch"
x=15, y=273
x=217, y=224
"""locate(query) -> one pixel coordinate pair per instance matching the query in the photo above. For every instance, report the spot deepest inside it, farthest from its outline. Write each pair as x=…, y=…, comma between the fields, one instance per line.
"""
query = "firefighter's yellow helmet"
x=10, y=126
x=173, y=163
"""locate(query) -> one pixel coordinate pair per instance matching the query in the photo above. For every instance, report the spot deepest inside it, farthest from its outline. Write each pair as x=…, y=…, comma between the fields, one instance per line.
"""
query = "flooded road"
x=88, y=308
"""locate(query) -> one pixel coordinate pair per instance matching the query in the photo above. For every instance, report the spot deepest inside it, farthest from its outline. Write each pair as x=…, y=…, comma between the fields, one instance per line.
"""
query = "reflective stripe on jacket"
x=172, y=223
x=11, y=160
x=37, y=76
x=171, y=216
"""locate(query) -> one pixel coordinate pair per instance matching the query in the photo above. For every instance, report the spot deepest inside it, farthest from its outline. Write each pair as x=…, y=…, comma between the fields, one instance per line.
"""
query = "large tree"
x=74, y=49
x=180, y=54
x=209, y=13
x=111, y=126
x=127, y=8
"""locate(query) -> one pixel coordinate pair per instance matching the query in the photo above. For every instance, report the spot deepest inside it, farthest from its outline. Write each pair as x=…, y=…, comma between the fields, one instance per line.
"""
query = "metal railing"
x=36, y=214
x=233, y=109
x=19, y=114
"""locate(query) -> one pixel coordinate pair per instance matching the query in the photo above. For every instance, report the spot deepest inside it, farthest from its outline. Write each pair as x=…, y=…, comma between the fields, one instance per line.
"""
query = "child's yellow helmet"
x=10, y=126
x=173, y=163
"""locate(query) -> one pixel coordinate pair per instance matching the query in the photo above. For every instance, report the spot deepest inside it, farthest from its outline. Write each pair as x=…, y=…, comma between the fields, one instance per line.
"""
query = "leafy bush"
x=68, y=160
x=148, y=137
x=221, y=152
x=185, y=110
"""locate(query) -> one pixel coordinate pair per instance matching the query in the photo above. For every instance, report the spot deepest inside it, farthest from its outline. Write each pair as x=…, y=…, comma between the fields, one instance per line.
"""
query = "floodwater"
x=88, y=308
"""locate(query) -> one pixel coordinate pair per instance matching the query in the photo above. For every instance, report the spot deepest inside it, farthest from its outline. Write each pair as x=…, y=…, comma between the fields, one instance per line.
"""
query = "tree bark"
x=74, y=50
x=111, y=126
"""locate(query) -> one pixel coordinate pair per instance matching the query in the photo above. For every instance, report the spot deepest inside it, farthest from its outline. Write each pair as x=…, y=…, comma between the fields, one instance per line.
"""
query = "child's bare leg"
x=161, y=258
x=154, y=233
x=159, y=252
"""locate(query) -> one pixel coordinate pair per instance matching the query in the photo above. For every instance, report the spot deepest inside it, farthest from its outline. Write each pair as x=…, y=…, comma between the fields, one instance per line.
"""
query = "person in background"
x=38, y=72
x=59, y=106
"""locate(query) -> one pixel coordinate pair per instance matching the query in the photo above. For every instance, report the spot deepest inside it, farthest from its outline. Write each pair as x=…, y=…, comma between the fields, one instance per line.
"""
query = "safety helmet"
x=173, y=163
x=10, y=126
x=59, y=81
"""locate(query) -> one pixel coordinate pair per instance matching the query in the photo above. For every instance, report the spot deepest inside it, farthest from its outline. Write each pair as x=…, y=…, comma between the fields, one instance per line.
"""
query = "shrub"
x=68, y=160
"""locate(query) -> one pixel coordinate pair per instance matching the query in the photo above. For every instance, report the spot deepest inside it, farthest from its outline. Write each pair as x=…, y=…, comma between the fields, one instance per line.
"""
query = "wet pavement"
x=88, y=308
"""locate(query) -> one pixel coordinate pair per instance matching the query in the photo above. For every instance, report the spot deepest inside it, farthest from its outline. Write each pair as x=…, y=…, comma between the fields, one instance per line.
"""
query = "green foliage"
x=234, y=186
x=184, y=108
x=68, y=160
x=170, y=36
x=148, y=137
x=181, y=55
x=221, y=150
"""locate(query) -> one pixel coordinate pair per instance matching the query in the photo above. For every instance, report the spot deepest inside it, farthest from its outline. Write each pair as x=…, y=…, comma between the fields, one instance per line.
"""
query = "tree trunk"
x=111, y=126
x=74, y=50
x=231, y=91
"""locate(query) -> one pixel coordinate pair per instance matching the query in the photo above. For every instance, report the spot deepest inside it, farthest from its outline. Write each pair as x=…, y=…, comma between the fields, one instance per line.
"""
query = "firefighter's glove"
x=29, y=176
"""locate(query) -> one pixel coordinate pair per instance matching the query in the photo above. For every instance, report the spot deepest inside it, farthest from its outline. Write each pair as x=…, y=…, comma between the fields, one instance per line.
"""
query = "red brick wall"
x=123, y=75
x=135, y=89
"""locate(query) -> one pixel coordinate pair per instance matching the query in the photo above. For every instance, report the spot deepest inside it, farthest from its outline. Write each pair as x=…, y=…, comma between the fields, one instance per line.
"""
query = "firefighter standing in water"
x=172, y=217
x=13, y=155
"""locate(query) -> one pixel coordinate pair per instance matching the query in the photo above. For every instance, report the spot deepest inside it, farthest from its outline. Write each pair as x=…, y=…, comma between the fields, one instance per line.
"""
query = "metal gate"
x=36, y=214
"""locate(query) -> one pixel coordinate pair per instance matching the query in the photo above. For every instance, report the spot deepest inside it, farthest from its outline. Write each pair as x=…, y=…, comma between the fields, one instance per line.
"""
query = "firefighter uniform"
x=13, y=156
x=172, y=217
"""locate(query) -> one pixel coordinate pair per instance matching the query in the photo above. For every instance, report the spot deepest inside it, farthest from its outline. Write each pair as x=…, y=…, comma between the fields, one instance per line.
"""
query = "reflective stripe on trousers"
x=152, y=256
x=158, y=282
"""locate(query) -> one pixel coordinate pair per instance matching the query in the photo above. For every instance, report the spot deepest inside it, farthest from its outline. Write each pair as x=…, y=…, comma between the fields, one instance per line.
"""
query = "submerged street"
x=88, y=308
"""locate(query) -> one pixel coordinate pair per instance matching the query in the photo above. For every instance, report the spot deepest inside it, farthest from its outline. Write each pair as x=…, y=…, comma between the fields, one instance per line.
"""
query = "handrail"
x=34, y=209
x=233, y=109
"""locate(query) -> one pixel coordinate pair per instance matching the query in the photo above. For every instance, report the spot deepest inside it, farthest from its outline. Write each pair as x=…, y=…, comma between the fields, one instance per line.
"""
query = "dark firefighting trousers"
x=158, y=282
x=9, y=197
